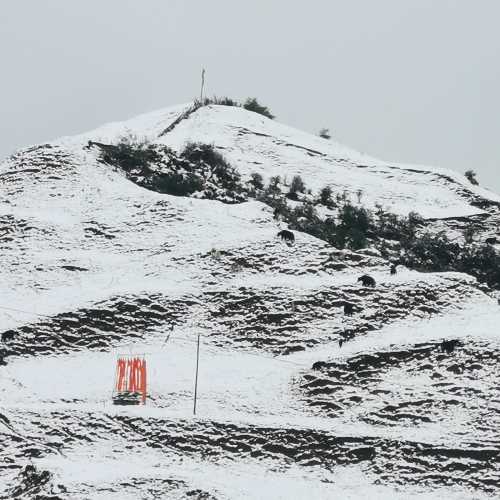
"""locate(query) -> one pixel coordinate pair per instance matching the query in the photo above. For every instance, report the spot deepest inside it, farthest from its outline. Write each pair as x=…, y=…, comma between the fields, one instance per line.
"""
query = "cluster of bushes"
x=352, y=226
x=132, y=154
x=175, y=183
x=251, y=104
x=221, y=101
x=198, y=170
x=215, y=171
x=349, y=229
x=435, y=252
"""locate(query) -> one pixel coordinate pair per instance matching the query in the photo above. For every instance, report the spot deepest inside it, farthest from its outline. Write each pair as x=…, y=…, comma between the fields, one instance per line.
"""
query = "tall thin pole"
x=202, y=84
x=196, y=375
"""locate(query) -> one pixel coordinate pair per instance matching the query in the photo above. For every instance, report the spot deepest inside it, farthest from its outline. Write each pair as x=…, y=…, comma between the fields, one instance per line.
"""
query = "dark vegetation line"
x=200, y=171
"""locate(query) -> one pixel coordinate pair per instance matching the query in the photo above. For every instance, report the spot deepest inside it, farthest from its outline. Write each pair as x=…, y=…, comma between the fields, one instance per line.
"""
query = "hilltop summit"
x=254, y=143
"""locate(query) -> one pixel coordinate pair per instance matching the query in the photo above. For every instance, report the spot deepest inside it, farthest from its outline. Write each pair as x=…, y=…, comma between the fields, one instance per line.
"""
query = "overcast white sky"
x=415, y=81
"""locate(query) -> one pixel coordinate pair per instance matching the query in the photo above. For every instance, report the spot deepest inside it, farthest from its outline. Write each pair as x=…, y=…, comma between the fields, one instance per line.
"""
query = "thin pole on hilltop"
x=196, y=374
x=202, y=84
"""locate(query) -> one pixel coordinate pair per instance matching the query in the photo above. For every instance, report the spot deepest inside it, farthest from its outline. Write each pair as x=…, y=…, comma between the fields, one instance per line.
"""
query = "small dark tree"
x=354, y=227
x=469, y=233
x=251, y=104
x=471, y=176
x=256, y=181
x=297, y=185
x=280, y=208
x=342, y=197
x=304, y=218
x=325, y=197
x=273, y=188
x=415, y=219
x=325, y=133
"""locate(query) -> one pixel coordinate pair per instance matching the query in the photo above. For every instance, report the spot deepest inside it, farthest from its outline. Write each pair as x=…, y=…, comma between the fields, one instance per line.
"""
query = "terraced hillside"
x=94, y=266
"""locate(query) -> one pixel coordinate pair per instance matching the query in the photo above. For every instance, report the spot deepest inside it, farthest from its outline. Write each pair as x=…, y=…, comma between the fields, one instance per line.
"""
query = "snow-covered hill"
x=94, y=266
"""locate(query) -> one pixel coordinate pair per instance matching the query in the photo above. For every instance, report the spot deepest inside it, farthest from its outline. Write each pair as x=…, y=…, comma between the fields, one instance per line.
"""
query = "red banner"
x=131, y=376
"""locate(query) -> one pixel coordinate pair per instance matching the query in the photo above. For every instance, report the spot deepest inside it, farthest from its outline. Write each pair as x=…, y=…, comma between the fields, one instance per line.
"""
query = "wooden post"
x=196, y=374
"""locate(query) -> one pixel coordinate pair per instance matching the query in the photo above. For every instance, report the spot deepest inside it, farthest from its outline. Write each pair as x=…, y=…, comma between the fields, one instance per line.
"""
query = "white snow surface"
x=127, y=244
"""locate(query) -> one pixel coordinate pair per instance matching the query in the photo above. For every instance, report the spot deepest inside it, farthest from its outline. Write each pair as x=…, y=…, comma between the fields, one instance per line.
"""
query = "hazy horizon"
x=411, y=82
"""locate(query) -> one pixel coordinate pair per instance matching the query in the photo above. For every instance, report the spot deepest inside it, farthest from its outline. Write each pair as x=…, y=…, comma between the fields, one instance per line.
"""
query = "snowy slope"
x=254, y=143
x=94, y=266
